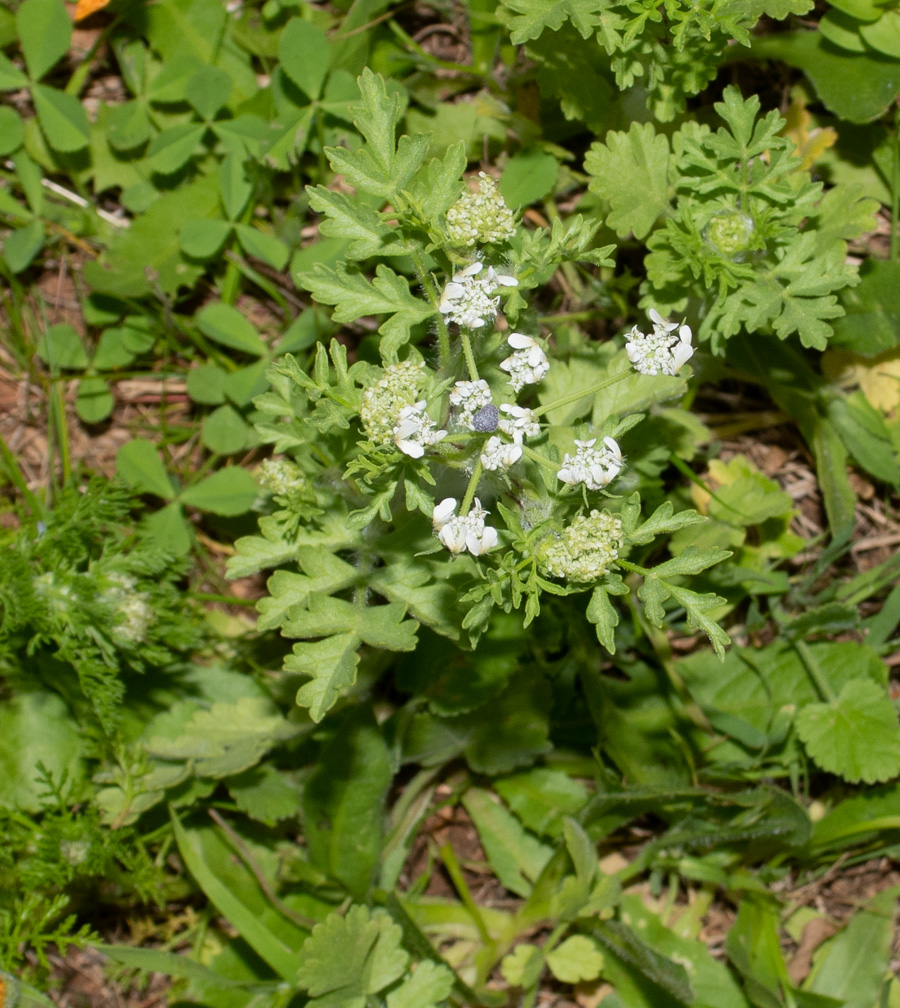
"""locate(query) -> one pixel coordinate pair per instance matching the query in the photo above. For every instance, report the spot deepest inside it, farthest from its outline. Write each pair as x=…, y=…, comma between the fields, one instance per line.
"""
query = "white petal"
x=519, y=341
x=411, y=448
x=443, y=512
x=453, y=536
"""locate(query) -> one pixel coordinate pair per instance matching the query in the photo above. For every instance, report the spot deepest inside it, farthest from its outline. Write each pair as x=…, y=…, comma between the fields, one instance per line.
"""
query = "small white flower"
x=414, y=430
x=520, y=424
x=596, y=468
x=500, y=454
x=460, y=532
x=528, y=364
x=660, y=352
x=467, y=299
x=398, y=386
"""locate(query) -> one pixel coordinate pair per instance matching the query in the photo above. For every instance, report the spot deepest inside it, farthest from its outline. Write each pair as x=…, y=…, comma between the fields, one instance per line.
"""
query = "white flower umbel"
x=280, y=476
x=520, y=422
x=596, y=468
x=663, y=351
x=480, y=217
x=584, y=551
x=463, y=532
x=414, y=430
x=382, y=402
x=528, y=364
x=500, y=454
x=467, y=398
x=467, y=299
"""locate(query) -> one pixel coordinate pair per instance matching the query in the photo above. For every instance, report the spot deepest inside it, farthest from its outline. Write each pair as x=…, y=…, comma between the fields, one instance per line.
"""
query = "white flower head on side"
x=663, y=351
x=468, y=397
x=596, y=468
x=584, y=551
x=467, y=299
x=519, y=423
x=528, y=365
x=463, y=532
x=500, y=454
x=414, y=430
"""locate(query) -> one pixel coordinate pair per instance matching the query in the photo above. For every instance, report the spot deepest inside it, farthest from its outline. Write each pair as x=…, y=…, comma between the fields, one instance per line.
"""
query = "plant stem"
x=470, y=357
x=18, y=479
x=814, y=671
x=895, y=187
x=583, y=393
x=540, y=459
x=448, y=856
x=427, y=283
x=471, y=488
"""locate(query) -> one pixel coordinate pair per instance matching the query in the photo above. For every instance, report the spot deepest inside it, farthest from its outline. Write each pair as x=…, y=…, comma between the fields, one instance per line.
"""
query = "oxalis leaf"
x=856, y=735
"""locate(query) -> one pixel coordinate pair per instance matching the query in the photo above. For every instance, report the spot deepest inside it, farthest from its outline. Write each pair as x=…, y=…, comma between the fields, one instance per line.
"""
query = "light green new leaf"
x=431, y=983
x=323, y=572
x=856, y=735
x=346, y=218
x=305, y=55
x=631, y=170
x=369, y=958
x=523, y=966
x=229, y=491
x=576, y=959
x=436, y=185
x=139, y=465
x=377, y=117
x=531, y=17
x=516, y=856
x=45, y=30
x=363, y=172
x=603, y=615
x=331, y=665
x=226, y=325
x=62, y=118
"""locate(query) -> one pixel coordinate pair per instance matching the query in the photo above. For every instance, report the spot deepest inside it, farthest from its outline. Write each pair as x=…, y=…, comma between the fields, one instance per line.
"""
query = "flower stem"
x=814, y=671
x=470, y=357
x=540, y=459
x=431, y=294
x=471, y=488
x=583, y=393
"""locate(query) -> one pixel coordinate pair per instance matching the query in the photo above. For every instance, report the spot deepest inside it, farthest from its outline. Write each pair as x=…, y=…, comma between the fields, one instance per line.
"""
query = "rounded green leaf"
x=263, y=246
x=94, y=402
x=862, y=10
x=884, y=34
x=208, y=91
x=62, y=118
x=842, y=30
x=12, y=130
x=11, y=77
x=61, y=348
x=45, y=31
x=205, y=384
x=202, y=239
x=576, y=959
x=171, y=149
x=224, y=431
x=22, y=245
x=234, y=186
x=168, y=530
x=856, y=735
x=523, y=966
x=139, y=465
x=230, y=491
x=305, y=55
x=528, y=177
x=226, y=325
x=111, y=351
x=127, y=126
x=245, y=383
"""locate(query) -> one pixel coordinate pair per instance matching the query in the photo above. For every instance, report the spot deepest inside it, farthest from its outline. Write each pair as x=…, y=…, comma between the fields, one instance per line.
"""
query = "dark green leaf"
x=305, y=55
x=226, y=325
x=45, y=31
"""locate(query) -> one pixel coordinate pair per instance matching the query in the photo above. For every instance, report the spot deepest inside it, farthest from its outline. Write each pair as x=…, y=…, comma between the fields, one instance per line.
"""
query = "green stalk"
x=424, y=278
x=471, y=488
x=540, y=459
x=448, y=856
x=814, y=671
x=470, y=357
x=18, y=479
x=895, y=188
x=583, y=393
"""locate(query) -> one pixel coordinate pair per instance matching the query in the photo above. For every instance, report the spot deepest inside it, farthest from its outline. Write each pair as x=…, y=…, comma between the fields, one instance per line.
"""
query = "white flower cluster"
x=585, y=550
x=133, y=613
x=467, y=299
x=414, y=430
x=528, y=364
x=521, y=422
x=469, y=397
x=463, y=532
x=594, y=467
x=382, y=402
x=280, y=476
x=481, y=216
x=662, y=351
x=500, y=454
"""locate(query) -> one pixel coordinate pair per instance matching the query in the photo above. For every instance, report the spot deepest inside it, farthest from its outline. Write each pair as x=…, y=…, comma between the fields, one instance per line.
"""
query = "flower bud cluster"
x=383, y=401
x=281, y=477
x=467, y=299
x=662, y=351
x=596, y=468
x=584, y=551
x=463, y=532
x=528, y=365
x=481, y=217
